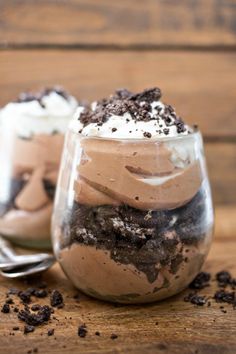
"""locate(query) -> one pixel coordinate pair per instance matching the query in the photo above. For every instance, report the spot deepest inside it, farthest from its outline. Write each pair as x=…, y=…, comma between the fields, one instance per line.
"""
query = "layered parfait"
x=133, y=215
x=32, y=136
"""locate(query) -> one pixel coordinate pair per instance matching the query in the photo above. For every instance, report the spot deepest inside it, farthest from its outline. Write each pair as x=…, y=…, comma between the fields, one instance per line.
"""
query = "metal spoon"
x=7, y=252
x=13, y=265
x=28, y=269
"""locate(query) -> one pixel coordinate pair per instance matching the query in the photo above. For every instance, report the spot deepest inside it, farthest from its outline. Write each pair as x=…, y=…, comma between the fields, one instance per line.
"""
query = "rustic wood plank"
x=152, y=22
x=221, y=162
x=182, y=328
x=200, y=85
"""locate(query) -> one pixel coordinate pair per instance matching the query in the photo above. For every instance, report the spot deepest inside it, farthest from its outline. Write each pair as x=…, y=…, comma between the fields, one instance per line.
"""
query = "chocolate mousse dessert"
x=32, y=137
x=133, y=213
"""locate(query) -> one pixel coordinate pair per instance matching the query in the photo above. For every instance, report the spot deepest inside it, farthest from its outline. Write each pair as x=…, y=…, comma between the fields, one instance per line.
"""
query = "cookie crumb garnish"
x=147, y=135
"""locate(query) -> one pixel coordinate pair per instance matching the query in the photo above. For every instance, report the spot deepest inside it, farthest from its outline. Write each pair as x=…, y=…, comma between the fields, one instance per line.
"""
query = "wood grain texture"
x=202, y=86
x=91, y=22
x=221, y=163
x=181, y=327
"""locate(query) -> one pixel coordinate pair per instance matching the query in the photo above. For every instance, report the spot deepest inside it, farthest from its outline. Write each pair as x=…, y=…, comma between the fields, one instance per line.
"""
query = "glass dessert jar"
x=31, y=141
x=133, y=218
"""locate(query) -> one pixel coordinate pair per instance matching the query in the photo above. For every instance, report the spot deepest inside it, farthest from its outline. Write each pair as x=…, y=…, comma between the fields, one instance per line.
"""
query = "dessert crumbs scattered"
x=25, y=296
x=35, y=319
x=223, y=278
x=5, y=308
x=195, y=299
x=51, y=332
x=28, y=329
x=82, y=331
x=9, y=301
x=42, y=314
x=201, y=281
x=35, y=307
x=13, y=291
x=56, y=299
x=41, y=293
x=225, y=296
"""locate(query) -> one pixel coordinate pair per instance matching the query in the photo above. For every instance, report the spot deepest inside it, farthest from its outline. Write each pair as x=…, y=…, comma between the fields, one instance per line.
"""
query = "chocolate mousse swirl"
x=142, y=171
x=140, y=175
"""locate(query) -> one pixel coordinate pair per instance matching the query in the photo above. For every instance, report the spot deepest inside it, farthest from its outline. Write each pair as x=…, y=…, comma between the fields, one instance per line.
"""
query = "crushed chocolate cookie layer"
x=138, y=237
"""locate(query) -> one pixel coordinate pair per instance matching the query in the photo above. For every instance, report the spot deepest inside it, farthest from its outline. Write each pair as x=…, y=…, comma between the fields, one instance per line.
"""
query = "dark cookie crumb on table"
x=56, y=299
x=82, y=331
x=5, y=308
x=50, y=332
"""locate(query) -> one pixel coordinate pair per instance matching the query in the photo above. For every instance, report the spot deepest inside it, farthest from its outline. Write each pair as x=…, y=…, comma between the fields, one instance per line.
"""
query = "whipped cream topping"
x=46, y=114
x=129, y=116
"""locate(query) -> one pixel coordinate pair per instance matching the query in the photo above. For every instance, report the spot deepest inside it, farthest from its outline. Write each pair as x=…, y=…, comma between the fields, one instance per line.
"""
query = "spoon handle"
x=6, y=250
x=8, y=256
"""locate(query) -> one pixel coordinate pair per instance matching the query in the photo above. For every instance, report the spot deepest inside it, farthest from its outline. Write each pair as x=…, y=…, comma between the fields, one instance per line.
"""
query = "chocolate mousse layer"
x=140, y=174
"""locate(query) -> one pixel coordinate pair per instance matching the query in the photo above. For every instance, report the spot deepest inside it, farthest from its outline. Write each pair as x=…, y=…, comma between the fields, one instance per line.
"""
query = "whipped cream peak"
x=45, y=112
x=40, y=95
x=127, y=115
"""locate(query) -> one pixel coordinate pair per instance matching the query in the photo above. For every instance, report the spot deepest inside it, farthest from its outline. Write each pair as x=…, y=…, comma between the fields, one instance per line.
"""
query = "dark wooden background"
x=188, y=48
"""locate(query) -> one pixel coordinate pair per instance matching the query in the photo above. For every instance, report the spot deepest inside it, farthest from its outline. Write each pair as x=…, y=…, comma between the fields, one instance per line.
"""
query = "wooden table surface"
x=171, y=326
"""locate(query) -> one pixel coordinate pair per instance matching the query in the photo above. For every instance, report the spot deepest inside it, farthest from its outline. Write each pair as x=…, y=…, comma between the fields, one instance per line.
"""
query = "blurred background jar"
x=32, y=136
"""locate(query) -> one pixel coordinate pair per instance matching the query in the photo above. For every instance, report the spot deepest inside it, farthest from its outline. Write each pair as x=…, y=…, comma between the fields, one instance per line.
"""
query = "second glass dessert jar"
x=133, y=218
